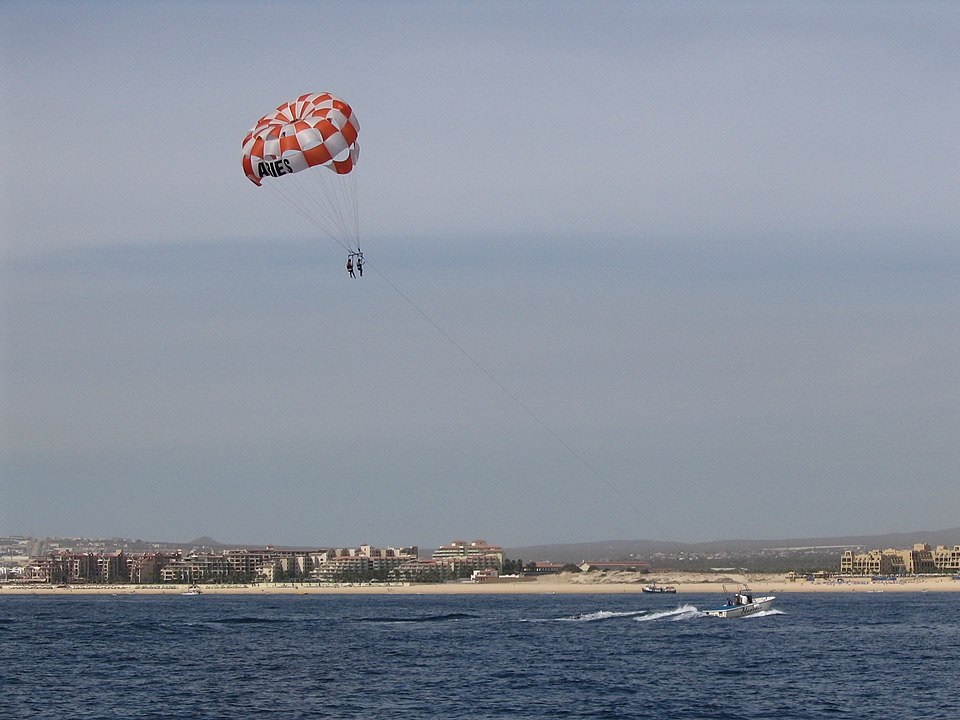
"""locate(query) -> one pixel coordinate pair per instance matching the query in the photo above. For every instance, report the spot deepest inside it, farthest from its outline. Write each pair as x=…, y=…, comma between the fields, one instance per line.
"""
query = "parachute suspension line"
x=309, y=205
x=337, y=196
x=327, y=194
x=354, y=206
x=591, y=469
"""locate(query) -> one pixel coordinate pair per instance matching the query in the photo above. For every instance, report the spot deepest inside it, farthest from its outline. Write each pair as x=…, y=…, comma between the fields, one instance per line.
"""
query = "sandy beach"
x=565, y=583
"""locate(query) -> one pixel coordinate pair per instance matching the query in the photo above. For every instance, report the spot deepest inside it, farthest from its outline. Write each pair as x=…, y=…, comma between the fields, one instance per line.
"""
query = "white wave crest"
x=765, y=613
x=684, y=612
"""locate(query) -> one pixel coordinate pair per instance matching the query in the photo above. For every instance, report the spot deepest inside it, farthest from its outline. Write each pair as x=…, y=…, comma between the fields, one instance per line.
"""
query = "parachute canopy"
x=297, y=144
x=317, y=129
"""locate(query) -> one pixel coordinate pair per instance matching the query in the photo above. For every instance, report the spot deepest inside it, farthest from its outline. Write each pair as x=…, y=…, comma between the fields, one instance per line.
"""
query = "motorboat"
x=741, y=604
x=192, y=590
x=654, y=588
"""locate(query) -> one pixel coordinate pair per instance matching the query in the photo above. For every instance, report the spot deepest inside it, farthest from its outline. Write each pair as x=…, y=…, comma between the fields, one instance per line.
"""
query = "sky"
x=636, y=270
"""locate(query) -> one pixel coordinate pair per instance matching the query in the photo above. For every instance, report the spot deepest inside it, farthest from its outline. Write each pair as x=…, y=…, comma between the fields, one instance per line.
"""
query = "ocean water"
x=433, y=656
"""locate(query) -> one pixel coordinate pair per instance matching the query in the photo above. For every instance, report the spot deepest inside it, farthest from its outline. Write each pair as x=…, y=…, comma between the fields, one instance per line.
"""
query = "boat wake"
x=602, y=615
x=765, y=613
x=684, y=612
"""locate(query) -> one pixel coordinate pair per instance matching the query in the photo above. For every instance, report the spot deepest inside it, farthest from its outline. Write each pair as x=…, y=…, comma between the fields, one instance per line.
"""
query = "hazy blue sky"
x=658, y=270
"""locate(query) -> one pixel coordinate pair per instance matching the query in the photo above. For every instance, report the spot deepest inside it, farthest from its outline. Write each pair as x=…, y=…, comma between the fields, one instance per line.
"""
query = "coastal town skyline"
x=679, y=270
x=26, y=561
x=946, y=536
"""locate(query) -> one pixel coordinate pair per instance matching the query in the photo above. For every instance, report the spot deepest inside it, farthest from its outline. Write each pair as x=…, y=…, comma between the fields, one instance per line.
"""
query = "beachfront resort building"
x=239, y=565
x=365, y=563
x=235, y=565
x=464, y=557
x=65, y=567
x=920, y=559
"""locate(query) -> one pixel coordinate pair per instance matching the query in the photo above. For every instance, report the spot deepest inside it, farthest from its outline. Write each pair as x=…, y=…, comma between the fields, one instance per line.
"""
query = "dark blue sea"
x=892, y=655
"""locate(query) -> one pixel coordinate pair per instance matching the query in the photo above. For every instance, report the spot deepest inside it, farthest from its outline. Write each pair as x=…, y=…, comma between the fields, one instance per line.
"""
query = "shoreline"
x=565, y=584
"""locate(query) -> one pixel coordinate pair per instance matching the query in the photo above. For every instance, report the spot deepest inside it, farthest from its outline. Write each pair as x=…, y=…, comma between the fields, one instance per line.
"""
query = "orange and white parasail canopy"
x=317, y=129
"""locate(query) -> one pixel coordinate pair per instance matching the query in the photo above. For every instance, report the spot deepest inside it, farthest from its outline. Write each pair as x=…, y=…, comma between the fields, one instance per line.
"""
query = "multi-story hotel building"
x=146, y=567
x=920, y=559
x=365, y=562
x=463, y=557
x=947, y=559
x=239, y=565
x=73, y=567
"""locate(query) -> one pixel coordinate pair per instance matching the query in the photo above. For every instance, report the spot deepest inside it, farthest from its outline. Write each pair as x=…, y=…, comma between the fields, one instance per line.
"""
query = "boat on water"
x=654, y=588
x=192, y=590
x=741, y=604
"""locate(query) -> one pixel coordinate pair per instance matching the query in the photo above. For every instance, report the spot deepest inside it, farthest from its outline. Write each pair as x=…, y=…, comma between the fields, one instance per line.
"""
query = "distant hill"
x=207, y=542
x=612, y=550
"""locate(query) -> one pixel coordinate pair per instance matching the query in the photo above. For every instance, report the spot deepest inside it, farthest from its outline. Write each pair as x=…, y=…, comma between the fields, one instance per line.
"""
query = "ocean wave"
x=445, y=617
x=601, y=615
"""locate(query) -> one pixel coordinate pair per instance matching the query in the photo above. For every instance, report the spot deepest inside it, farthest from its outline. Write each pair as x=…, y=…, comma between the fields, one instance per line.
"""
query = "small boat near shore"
x=654, y=588
x=193, y=590
x=742, y=603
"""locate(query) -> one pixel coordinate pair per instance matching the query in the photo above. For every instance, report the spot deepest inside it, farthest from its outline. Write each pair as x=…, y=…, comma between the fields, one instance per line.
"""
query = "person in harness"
x=355, y=263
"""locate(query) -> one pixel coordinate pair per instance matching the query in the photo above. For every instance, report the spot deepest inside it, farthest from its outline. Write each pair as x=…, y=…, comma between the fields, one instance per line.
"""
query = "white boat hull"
x=660, y=589
x=742, y=610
